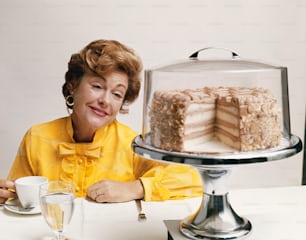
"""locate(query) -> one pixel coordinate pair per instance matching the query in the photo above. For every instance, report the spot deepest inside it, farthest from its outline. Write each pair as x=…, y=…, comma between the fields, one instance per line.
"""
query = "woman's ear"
x=70, y=88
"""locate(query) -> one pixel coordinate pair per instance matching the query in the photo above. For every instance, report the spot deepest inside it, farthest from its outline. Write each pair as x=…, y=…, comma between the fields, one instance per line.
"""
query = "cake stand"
x=215, y=218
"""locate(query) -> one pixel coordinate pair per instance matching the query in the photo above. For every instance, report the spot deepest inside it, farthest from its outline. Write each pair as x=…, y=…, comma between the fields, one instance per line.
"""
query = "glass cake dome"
x=218, y=101
x=196, y=74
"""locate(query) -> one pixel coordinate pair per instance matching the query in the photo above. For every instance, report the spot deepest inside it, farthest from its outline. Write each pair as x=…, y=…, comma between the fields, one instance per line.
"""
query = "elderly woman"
x=90, y=147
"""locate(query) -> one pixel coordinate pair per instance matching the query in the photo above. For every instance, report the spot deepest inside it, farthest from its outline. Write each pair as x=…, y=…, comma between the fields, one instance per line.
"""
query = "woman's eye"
x=97, y=86
x=118, y=95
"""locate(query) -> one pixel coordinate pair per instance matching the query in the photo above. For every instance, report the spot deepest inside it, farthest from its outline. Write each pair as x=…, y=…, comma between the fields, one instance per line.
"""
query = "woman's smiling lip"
x=99, y=112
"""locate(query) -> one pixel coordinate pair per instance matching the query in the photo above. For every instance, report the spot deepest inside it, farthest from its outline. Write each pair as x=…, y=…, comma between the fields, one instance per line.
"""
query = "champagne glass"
x=57, y=205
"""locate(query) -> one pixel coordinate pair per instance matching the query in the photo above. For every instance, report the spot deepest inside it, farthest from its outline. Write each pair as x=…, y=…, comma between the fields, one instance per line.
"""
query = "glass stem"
x=60, y=235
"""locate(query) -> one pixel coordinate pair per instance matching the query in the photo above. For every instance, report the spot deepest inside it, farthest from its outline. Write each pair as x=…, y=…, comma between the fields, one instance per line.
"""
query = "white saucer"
x=14, y=206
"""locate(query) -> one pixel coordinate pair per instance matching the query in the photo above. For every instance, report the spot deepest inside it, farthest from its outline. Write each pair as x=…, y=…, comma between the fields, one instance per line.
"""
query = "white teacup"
x=27, y=189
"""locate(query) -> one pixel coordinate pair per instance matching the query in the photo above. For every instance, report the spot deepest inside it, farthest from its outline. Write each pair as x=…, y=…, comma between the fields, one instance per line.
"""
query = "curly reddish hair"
x=102, y=57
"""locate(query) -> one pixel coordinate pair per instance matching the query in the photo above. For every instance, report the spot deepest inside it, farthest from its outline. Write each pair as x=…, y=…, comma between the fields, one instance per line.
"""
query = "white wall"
x=37, y=38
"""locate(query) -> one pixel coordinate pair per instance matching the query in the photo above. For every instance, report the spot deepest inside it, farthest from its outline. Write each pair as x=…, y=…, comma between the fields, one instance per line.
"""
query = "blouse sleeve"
x=22, y=165
x=165, y=181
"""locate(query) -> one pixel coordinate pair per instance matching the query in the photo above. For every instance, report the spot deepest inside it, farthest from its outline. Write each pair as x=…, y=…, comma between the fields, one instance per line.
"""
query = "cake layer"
x=231, y=129
x=190, y=143
x=226, y=117
x=199, y=117
x=228, y=139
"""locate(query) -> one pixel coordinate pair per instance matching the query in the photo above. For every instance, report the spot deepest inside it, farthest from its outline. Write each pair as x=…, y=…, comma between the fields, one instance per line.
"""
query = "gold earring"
x=69, y=101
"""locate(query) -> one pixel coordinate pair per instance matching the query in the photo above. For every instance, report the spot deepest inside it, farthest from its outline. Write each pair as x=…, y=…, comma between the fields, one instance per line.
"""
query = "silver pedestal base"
x=215, y=218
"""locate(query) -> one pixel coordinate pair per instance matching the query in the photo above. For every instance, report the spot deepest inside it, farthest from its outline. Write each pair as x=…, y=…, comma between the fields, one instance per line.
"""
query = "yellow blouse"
x=49, y=150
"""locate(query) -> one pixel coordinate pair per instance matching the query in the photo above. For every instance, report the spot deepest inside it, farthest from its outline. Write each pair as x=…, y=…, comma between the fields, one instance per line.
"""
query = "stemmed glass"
x=57, y=205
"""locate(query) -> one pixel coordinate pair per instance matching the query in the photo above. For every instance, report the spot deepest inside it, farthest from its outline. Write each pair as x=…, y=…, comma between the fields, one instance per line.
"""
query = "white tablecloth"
x=275, y=213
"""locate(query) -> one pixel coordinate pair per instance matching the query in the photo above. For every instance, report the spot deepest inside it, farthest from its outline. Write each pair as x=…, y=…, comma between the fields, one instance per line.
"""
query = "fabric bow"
x=89, y=150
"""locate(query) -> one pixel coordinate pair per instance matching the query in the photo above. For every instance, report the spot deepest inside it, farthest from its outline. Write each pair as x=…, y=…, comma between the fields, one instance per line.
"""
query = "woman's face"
x=97, y=100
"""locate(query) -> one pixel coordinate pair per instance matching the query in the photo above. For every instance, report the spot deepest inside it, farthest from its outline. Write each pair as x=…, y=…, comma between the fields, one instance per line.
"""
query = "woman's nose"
x=104, y=98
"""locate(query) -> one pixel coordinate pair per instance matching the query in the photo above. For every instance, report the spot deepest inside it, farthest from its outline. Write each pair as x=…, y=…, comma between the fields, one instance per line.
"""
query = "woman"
x=90, y=147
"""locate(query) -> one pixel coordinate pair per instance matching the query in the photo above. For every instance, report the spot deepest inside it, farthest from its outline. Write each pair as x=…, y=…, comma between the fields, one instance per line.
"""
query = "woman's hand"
x=115, y=191
x=7, y=190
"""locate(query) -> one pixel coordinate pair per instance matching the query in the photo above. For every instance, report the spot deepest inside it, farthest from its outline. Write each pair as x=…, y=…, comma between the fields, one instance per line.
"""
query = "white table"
x=275, y=213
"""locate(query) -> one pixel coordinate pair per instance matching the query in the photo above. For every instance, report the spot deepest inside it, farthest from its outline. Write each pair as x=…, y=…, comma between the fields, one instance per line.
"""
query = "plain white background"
x=37, y=38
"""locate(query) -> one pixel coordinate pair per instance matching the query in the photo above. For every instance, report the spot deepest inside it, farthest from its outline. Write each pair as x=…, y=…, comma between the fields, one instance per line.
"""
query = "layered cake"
x=242, y=118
